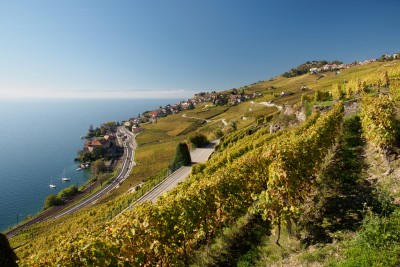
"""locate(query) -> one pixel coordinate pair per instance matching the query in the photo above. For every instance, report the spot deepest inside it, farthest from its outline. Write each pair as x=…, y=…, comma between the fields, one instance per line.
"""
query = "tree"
x=97, y=152
x=52, y=200
x=103, y=131
x=182, y=157
x=234, y=125
x=321, y=96
x=191, y=105
x=8, y=257
x=198, y=140
x=98, y=166
x=97, y=132
x=68, y=192
x=111, y=123
x=90, y=131
x=85, y=156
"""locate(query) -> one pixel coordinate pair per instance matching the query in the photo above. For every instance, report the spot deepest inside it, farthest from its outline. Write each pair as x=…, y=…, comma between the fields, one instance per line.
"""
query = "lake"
x=40, y=139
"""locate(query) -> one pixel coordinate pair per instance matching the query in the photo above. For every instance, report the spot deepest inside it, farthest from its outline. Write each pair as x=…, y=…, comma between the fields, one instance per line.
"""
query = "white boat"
x=65, y=179
x=51, y=184
x=79, y=169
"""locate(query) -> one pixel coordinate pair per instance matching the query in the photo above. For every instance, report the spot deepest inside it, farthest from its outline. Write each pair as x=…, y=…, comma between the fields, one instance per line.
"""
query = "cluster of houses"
x=231, y=97
x=337, y=67
x=389, y=57
x=107, y=143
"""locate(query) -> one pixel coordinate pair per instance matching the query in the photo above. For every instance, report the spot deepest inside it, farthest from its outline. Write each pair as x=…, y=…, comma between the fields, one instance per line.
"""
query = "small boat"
x=65, y=179
x=79, y=169
x=51, y=184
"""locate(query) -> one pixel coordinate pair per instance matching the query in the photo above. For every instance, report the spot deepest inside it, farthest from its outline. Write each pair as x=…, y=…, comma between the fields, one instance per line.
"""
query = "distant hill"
x=304, y=68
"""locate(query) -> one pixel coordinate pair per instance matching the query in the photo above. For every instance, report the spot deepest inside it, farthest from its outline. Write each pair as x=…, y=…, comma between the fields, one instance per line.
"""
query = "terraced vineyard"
x=258, y=181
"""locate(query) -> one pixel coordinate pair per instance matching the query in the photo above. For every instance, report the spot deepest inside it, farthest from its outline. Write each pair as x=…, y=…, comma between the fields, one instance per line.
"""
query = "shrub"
x=182, y=157
x=98, y=166
x=198, y=140
x=305, y=98
x=52, y=200
x=68, y=192
x=198, y=168
x=321, y=96
x=377, y=244
x=219, y=134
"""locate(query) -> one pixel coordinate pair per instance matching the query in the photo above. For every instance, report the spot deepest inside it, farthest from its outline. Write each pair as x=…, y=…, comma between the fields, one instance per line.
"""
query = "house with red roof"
x=91, y=144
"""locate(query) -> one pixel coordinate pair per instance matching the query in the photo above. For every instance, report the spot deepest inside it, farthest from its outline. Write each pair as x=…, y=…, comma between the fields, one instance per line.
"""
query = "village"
x=103, y=142
x=230, y=97
x=337, y=67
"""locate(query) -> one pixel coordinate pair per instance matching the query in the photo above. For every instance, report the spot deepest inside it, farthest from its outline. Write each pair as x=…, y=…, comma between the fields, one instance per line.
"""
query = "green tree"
x=68, y=192
x=8, y=257
x=97, y=152
x=111, y=123
x=98, y=166
x=52, y=200
x=198, y=140
x=234, y=125
x=85, y=156
x=90, y=132
x=97, y=132
x=321, y=96
x=191, y=105
x=182, y=157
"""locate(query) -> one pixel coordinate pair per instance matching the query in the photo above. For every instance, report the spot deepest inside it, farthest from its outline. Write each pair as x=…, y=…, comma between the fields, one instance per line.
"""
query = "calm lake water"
x=40, y=138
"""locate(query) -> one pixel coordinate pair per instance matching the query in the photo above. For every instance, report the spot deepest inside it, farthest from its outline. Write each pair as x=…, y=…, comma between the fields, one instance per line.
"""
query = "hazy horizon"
x=167, y=49
x=48, y=94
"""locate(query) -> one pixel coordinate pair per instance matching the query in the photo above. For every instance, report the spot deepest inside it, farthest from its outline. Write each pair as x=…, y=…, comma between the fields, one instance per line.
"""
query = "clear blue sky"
x=173, y=48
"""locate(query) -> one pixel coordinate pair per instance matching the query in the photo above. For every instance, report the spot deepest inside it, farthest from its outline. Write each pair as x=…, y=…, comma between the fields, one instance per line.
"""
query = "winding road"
x=127, y=164
x=198, y=155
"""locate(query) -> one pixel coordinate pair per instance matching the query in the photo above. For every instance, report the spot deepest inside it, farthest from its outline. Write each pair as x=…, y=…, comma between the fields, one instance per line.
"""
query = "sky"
x=175, y=48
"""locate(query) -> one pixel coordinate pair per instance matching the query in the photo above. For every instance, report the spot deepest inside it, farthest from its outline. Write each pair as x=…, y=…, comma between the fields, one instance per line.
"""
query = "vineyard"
x=275, y=190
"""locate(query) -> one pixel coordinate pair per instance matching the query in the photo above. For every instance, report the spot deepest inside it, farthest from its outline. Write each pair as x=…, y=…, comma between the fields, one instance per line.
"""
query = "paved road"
x=198, y=155
x=169, y=183
x=123, y=173
x=127, y=164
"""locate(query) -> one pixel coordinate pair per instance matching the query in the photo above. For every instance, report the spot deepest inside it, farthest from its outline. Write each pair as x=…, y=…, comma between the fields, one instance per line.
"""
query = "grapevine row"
x=252, y=142
x=167, y=232
x=378, y=122
x=296, y=161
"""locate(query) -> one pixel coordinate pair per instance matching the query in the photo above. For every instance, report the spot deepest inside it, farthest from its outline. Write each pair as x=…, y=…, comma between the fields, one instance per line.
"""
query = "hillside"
x=306, y=175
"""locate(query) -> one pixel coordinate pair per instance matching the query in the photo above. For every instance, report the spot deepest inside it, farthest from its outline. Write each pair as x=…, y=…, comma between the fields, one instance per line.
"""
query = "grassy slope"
x=157, y=146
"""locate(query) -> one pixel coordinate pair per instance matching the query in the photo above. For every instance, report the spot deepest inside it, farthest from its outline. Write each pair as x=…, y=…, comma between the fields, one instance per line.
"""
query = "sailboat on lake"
x=51, y=184
x=65, y=179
